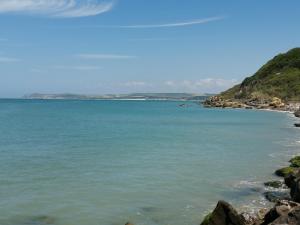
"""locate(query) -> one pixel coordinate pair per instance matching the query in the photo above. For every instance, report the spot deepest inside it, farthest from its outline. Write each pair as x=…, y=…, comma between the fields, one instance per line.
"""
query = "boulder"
x=297, y=124
x=224, y=214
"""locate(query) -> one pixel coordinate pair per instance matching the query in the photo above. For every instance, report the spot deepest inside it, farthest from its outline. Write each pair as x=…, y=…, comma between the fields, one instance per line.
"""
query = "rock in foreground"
x=224, y=214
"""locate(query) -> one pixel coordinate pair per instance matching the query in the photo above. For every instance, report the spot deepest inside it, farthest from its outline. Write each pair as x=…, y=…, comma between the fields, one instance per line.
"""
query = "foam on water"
x=148, y=162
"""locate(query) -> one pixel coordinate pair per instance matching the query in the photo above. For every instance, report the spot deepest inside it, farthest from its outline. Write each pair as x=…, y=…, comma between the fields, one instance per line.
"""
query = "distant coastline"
x=134, y=96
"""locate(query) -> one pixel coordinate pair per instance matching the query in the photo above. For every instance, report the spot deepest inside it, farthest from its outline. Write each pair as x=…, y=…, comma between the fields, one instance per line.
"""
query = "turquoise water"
x=148, y=162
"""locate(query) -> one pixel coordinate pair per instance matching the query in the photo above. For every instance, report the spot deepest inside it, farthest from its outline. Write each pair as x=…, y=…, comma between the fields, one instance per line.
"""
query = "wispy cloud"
x=56, y=8
x=149, y=39
x=8, y=60
x=104, y=56
x=80, y=68
x=136, y=84
x=207, y=84
x=170, y=25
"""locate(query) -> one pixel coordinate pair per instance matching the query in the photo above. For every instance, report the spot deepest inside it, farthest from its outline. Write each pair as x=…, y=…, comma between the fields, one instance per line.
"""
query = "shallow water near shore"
x=148, y=162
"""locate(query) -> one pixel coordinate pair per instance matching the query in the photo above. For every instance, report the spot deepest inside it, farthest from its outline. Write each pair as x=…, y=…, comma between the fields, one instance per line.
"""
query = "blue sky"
x=125, y=46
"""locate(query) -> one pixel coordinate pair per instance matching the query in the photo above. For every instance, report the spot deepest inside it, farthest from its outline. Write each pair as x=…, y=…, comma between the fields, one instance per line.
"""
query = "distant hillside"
x=280, y=77
x=137, y=96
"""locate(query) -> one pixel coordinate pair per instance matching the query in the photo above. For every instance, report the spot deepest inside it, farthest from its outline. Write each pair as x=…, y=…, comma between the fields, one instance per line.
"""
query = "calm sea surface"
x=148, y=162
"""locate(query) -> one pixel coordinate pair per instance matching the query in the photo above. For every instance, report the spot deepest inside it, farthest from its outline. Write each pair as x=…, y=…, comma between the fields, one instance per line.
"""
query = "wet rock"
x=297, y=124
x=275, y=184
x=283, y=172
x=224, y=214
x=274, y=196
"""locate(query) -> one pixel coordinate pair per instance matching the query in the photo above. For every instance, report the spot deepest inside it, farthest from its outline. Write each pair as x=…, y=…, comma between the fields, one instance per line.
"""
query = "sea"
x=106, y=162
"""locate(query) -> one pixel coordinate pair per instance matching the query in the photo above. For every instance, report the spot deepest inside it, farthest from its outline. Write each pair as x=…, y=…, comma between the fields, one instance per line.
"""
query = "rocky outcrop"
x=224, y=214
x=283, y=212
x=218, y=102
x=276, y=103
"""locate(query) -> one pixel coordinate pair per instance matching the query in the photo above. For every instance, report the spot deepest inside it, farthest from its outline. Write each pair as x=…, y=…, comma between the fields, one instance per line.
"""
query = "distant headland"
x=134, y=96
x=275, y=86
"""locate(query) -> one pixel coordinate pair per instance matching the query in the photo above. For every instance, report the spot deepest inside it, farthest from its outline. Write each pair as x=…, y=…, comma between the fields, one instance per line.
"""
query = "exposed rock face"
x=224, y=214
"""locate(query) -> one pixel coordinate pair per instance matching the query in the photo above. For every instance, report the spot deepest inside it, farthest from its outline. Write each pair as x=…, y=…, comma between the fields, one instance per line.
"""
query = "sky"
x=128, y=46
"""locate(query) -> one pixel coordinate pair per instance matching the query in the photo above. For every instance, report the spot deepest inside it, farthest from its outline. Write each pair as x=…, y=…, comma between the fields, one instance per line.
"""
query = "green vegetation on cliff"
x=280, y=77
